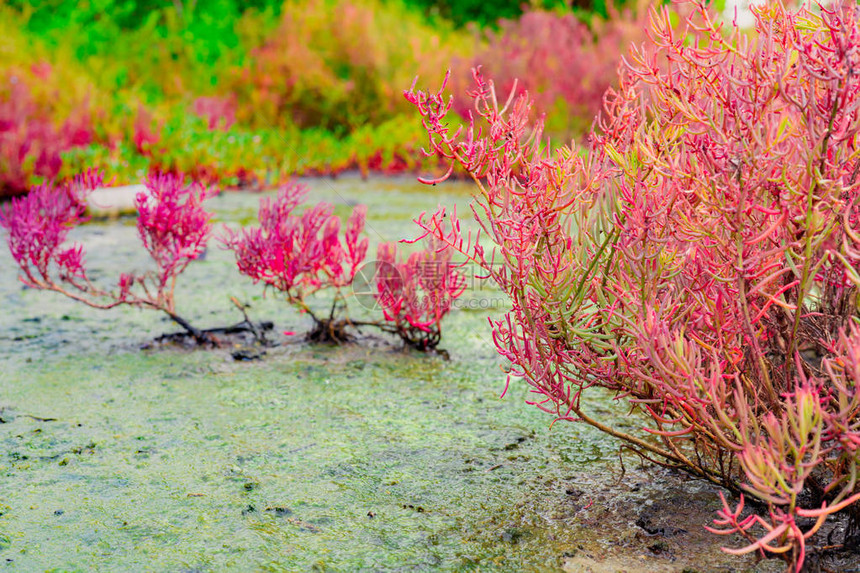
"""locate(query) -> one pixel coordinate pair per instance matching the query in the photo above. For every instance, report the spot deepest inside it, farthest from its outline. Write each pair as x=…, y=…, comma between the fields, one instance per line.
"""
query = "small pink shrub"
x=38, y=225
x=416, y=294
x=172, y=224
x=702, y=262
x=174, y=228
x=300, y=255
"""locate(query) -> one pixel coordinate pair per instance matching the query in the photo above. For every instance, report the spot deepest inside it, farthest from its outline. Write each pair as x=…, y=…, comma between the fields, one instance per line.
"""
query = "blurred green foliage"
x=310, y=86
x=126, y=41
x=487, y=13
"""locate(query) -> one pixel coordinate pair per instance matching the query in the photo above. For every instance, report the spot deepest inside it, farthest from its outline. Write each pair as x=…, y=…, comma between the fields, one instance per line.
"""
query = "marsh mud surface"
x=114, y=457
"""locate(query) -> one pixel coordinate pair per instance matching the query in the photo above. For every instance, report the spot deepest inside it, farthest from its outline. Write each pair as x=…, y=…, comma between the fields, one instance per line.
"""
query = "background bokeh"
x=249, y=93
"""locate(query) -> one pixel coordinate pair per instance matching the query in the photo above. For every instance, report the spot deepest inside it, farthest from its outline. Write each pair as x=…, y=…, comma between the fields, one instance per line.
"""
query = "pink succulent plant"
x=300, y=255
x=701, y=262
x=172, y=224
x=416, y=294
x=30, y=140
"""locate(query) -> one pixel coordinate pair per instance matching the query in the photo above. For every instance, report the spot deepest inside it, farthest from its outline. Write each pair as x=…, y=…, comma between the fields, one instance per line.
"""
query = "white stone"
x=113, y=201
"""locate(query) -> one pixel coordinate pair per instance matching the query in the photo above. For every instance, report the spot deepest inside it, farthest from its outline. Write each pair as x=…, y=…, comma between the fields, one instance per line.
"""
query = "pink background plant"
x=32, y=137
x=564, y=63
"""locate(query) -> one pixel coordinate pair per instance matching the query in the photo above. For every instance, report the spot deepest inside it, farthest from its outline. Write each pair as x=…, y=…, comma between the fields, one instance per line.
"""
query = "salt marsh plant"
x=31, y=139
x=417, y=293
x=701, y=262
x=172, y=225
x=301, y=254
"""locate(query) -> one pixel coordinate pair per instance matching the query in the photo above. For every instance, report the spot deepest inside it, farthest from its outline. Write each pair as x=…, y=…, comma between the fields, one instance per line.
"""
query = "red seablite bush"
x=172, y=224
x=701, y=262
x=300, y=255
x=174, y=228
x=417, y=294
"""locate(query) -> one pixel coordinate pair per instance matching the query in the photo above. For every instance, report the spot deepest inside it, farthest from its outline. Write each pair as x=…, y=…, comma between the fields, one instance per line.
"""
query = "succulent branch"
x=701, y=260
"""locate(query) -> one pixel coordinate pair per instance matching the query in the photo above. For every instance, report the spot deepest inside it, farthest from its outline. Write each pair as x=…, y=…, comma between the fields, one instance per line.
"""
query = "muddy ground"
x=120, y=455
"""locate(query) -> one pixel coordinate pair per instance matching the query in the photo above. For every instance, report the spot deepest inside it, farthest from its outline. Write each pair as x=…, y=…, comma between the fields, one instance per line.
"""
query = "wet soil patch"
x=293, y=457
